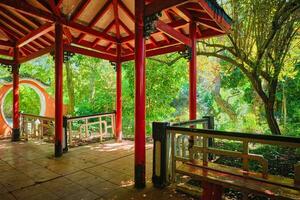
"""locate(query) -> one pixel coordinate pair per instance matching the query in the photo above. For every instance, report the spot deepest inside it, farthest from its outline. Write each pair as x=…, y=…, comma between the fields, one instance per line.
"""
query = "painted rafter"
x=16, y=36
x=35, y=45
x=98, y=16
x=171, y=32
x=157, y=6
x=6, y=43
x=23, y=7
x=79, y=10
x=116, y=16
x=35, y=34
x=9, y=16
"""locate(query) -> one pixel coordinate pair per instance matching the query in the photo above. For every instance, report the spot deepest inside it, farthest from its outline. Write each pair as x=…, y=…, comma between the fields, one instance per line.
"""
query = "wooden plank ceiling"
x=94, y=27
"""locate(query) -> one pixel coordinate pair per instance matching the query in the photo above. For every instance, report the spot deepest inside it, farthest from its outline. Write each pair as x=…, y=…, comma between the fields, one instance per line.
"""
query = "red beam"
x=158, y=5
x=6, y=62
x=25, y=8
x=127, y=11
x=6, y=43
x=35, y=34
x=90, y=31
x=37, y=54
x=116, y=15
x=80, y=9
x=171, y=32
x=95, y=47
x=157, y=51
x=54, y=8
x=98, y=16
x=90, y=53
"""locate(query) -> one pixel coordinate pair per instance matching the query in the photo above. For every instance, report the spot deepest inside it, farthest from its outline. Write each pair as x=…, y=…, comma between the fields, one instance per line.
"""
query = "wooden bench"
x=214, y=180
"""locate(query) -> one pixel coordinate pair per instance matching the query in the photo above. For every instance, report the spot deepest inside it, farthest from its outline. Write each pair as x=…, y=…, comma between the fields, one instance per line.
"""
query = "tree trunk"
x=224, y=105
x=70, y=86
x=271, y=119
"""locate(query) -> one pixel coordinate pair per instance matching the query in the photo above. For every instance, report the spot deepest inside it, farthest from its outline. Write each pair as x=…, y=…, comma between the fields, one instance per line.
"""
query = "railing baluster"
x=205, y=148
x=173, y=147
x=245, y=156
x=297, y=174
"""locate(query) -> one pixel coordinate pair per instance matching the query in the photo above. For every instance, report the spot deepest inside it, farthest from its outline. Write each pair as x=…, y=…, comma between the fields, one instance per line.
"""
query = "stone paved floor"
x=98, y=171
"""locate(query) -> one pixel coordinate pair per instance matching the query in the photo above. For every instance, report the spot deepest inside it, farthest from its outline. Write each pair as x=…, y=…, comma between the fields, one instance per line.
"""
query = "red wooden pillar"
x=16, y=102
x=193, y=73
x=58, y=89
x=119, y=96
x=140, y=96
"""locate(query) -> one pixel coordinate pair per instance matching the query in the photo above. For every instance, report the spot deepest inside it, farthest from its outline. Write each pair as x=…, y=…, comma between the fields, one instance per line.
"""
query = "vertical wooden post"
x=16, y=102
x=58, y=89
x=193, y=73
x=140, y=96
x=119, y=96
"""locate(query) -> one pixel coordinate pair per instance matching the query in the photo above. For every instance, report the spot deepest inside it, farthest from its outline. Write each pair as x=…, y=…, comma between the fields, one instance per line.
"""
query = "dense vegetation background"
x=246, y=80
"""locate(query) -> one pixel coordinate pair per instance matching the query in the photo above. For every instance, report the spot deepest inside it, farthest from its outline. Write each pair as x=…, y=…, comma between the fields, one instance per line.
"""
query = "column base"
x=15, y=137
x=58, y=149
x=139, y=176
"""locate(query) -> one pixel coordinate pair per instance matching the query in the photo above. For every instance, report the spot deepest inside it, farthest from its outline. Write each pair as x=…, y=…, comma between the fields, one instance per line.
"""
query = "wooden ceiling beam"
x=100, y=13
x=6, y=61
x=25, y=8
x=6, y=43
x=94, y=21
x=44, y=4
x=90, y=53
x=158, y=5
x=79, y=10
x=35, y=45
x=116, y=15
x=35, y=34
x=127, y=11
x=171, y=32
x=88, y=44
x=20, y=23
x=37, y=54
x=54, y=8
x=174, y=24
x=90, y=31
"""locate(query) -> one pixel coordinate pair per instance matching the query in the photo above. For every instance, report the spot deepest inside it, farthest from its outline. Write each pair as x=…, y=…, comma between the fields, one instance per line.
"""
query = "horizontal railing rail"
x=203, y=121
x=260, y=138
x=35, y=126
x=173, y=147
x=84, y=128
x=92, y=115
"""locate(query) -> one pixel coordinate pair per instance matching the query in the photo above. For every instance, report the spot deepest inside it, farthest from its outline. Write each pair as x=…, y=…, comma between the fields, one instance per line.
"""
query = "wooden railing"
x=85, y=128
x=38, y=127
x=76, y=129
x=174, y=146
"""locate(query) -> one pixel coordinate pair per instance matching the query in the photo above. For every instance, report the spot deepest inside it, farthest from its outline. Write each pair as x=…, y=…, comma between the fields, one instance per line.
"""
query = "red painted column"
x=16, y=102
x=119, y=96
x=140, y=96
x=193, y=73
x=58, y=89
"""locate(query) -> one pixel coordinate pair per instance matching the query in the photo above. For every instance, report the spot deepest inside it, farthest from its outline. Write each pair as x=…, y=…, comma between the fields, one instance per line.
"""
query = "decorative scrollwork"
x=186, y=53
x=114, y=64
x=68, y=55
x=149, y=24
x=9, y=68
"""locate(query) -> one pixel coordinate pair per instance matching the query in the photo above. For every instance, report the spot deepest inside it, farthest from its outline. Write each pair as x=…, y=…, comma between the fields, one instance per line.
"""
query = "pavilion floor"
x=28, y=170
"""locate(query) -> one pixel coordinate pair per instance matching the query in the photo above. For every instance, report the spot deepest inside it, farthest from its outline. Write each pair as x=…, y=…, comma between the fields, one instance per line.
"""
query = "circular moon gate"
x=47, y=103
